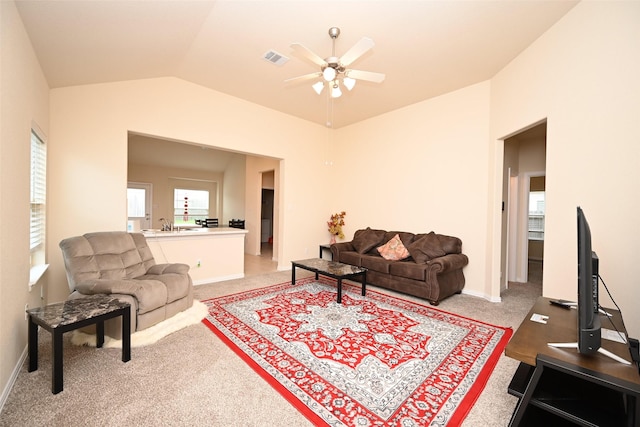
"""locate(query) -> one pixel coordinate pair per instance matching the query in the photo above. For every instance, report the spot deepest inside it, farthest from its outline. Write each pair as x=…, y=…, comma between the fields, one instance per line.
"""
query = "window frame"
x=180, y=210
x=37, y=204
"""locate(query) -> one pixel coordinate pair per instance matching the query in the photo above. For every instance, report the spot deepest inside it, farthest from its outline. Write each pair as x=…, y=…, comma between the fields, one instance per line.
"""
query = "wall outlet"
x=26, y=307
x=198, y=263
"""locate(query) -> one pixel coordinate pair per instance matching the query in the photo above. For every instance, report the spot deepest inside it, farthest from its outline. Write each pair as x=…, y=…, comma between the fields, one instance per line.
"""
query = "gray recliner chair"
x=121, y=264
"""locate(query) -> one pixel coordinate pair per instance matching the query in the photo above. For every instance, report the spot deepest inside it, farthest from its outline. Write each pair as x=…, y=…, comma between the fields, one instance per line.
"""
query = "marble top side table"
x=74, y=314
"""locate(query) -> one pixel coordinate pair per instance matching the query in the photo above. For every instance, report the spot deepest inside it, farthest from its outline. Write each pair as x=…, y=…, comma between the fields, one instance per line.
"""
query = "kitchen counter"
x=214, y=254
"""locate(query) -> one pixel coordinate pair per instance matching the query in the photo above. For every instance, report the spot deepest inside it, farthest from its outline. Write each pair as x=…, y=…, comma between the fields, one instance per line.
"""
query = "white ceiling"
x=425, y=47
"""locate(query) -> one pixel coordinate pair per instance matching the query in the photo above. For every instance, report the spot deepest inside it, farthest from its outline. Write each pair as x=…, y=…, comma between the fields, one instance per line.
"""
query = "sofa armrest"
x=448, y=262
x=176, y=268
x=336, y=248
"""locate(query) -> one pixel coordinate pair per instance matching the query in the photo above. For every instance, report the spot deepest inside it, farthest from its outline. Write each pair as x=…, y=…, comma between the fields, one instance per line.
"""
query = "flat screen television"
x=589, y=325
x=589, y=312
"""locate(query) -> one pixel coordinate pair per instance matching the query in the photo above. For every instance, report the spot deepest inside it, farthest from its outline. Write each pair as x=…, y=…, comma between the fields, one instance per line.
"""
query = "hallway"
x=260, y=264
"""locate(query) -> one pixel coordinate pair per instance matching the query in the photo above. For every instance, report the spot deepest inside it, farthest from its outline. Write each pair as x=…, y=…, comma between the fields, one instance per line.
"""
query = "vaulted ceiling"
x=425, y=48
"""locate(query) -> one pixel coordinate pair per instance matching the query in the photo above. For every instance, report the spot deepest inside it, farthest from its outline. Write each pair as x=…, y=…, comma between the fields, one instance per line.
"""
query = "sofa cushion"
x=367, y=239
x=351, y=257
x=393, y=250
x=425, y=248
x=376, y=263
x=408, y=269
x=450, y=245
x=405, y=237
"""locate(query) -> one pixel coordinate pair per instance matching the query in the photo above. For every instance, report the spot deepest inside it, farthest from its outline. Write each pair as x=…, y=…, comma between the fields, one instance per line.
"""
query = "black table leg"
x=316, y=275
x=56, y=374
x=126, y=334
x=339, y=291
x=33, y=345
x=293, y=274
x=364, y=283
x=99, y=334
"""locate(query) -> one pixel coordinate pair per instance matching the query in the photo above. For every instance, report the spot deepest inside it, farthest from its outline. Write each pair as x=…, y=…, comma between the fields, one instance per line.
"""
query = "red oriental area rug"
x=376, y=360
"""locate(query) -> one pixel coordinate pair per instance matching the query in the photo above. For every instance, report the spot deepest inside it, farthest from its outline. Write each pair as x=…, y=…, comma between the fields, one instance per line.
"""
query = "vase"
x=332, y=240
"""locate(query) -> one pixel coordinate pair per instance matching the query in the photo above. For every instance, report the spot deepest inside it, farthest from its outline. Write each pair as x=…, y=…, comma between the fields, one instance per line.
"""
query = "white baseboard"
x=218, y=279
x=482, y=295
x=12, y=379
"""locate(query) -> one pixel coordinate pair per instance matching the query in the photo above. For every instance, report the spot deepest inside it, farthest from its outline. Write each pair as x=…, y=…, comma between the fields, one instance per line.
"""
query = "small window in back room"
x=536, y=215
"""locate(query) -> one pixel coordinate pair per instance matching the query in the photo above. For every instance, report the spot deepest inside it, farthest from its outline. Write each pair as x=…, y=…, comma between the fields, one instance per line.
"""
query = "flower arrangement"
x=336, y=223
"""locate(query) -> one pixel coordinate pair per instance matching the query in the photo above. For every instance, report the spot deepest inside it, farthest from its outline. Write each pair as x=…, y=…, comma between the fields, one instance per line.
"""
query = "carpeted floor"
x=191, y=378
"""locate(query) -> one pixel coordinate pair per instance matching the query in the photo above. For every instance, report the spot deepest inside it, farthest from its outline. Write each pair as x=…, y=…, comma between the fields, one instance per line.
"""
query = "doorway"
x=267, y=202
x=138, y=206
x=523, y=189
x=535, y=231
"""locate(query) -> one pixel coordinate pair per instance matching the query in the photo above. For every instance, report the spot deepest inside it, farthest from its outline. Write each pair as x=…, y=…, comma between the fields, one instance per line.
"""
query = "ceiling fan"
x=333, y=70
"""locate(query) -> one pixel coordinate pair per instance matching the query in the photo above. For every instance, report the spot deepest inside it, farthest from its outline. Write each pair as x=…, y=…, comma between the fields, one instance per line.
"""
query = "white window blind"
x=38, y=196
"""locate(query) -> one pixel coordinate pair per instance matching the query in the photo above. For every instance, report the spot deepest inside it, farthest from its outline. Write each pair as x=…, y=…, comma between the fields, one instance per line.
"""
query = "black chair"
x=210, y=222
x=236, y=223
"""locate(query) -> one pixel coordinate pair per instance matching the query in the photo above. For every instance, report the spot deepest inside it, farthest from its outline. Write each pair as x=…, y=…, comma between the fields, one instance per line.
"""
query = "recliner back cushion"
x=104, y=255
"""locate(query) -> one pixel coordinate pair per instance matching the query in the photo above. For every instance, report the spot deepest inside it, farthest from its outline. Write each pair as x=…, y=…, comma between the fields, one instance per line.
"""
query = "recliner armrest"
x=176, y=268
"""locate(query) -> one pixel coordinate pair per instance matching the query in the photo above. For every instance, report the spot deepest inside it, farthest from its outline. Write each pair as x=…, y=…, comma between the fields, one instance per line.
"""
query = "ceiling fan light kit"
x=333, y=69
x=318, y=86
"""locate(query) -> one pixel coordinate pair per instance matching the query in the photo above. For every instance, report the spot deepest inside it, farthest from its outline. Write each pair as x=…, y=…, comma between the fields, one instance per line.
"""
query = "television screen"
x=588, y=318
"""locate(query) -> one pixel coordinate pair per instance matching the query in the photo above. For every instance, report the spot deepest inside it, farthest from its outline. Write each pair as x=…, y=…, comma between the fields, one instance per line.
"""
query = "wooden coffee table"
x=334, y=269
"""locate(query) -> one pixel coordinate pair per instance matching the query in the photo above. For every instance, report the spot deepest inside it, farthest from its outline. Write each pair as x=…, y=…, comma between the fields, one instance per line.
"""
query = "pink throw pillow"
x=393, y=250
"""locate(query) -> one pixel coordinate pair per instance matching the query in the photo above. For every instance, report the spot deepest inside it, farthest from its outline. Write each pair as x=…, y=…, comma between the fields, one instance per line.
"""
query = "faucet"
x=166, y=225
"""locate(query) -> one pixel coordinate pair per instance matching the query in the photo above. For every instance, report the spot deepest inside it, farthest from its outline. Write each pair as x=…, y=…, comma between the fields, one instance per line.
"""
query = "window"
x=38, y=198
x=189, y=205
x=536, y=215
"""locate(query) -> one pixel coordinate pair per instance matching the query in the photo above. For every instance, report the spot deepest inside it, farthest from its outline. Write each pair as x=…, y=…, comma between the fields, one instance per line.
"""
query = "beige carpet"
x=191, y=378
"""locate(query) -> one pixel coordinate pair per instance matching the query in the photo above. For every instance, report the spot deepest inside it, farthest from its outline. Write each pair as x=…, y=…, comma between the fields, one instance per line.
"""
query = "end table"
x=74, y=314
x=326, y=247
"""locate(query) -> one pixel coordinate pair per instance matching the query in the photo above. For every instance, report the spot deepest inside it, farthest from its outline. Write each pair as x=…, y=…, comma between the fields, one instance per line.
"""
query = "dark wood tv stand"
x=559, y=386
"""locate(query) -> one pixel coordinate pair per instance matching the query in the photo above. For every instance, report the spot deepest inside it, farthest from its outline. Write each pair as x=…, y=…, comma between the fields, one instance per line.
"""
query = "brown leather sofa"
x=432, y=268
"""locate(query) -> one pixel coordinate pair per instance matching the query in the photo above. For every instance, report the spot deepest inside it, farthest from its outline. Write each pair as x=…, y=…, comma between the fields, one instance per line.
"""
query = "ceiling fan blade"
x=304, y=78
x=365, y=75
x=308, y=54
x=357, y=51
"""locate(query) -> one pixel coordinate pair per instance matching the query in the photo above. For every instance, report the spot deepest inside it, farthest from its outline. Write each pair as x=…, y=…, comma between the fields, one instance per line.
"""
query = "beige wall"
x=23, y=104
x=582, y=75
x=233, y=195
x=420, y=168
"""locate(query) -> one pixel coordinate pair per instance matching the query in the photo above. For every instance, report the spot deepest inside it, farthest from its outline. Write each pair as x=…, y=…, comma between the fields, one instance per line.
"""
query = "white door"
x=139, y=204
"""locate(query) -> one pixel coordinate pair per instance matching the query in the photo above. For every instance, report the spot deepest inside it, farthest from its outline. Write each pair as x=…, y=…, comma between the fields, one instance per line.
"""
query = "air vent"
x=275, y=57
